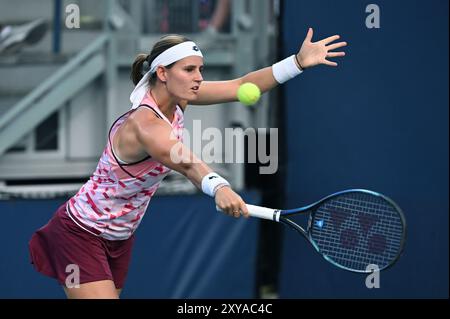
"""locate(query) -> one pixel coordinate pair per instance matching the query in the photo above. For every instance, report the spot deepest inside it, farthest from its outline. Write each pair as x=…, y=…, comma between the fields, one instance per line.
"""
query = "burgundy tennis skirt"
x=61, y=248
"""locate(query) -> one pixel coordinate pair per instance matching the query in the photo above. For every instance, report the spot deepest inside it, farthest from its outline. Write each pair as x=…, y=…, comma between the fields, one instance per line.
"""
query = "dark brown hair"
x=139, y=69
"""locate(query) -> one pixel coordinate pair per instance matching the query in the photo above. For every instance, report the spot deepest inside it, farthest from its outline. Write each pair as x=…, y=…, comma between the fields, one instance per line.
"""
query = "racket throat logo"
x=319, y=223
x=373, y=279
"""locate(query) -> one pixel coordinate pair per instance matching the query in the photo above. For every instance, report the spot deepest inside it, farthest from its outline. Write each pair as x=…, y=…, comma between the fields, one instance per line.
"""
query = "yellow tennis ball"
x=248, y=93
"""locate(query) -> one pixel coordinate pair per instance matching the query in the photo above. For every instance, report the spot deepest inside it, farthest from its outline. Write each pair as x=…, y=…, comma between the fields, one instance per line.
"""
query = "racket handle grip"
x=261, y=212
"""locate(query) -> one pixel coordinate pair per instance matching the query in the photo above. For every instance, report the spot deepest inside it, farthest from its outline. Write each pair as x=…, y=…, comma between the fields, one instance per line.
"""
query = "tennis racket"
x=352, y=229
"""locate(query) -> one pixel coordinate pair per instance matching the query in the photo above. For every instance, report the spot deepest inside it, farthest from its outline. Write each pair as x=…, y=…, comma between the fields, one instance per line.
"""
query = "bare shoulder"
x=142, y=117
x=146, y=125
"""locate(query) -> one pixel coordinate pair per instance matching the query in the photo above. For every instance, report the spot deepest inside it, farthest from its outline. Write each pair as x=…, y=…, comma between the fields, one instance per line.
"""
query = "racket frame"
x=311, y=210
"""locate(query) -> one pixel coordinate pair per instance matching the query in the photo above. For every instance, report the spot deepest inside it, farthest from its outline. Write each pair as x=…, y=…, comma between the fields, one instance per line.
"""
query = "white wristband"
x=212, y=182
x=285, y=70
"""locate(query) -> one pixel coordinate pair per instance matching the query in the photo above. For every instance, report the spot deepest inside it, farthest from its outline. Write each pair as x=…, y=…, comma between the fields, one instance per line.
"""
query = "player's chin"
x=188, y=95
x=193, y=94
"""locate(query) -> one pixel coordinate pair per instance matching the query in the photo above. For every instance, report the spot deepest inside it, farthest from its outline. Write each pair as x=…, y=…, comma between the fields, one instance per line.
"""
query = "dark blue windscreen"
x=378, y=121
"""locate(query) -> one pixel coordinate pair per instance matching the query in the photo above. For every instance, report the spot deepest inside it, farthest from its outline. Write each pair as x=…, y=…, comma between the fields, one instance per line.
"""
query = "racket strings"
x=355, y=230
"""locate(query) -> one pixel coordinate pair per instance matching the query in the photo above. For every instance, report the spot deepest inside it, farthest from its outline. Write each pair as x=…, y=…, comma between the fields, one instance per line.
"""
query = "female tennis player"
x=87, y=244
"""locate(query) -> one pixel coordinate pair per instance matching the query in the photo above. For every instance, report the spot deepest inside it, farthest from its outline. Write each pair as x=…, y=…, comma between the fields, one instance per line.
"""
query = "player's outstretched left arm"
x=309, y=55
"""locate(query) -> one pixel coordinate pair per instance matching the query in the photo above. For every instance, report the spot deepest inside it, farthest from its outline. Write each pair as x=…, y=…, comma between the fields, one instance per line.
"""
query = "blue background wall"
x=379, y=121
x=183, y=249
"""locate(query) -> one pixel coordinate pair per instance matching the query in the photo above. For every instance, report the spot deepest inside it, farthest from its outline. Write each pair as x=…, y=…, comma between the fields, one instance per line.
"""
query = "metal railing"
x=52, y=93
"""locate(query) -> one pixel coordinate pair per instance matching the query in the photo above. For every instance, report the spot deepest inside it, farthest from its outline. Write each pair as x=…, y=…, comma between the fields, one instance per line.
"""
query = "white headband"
x=172, y=55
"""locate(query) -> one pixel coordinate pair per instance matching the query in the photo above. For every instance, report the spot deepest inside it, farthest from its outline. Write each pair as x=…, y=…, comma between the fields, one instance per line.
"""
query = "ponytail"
x=137, y=70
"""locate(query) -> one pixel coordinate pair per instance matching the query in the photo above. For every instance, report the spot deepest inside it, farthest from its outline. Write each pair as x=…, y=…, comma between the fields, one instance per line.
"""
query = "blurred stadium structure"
x=59, y=97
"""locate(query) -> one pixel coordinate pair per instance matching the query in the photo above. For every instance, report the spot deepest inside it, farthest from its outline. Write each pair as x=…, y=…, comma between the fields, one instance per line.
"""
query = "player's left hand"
x=314, y=53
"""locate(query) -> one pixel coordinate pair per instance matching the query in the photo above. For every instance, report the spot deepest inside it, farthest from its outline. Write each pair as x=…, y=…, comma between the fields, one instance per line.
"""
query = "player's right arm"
x=156, y=139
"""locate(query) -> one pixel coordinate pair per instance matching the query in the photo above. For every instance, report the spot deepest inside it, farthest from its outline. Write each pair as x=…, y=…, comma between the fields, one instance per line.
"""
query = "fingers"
x=335, y=54
x=241, y=209
x=309, y=35
x=330, y=39
x=236, y=213
x=244, y=210
x=336, y=46
x=330, y=63
x=236, y=209
x=231, y=209
x=231, y=203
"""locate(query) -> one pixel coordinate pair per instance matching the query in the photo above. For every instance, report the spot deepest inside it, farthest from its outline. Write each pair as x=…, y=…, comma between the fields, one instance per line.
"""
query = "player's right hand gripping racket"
x=352, y=229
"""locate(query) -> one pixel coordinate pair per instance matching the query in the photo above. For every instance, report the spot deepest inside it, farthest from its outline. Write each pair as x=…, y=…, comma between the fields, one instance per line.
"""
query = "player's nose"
x=198, y=77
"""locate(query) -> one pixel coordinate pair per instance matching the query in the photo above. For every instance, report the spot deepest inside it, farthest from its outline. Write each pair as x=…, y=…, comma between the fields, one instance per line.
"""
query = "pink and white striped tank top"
x=113, y=201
